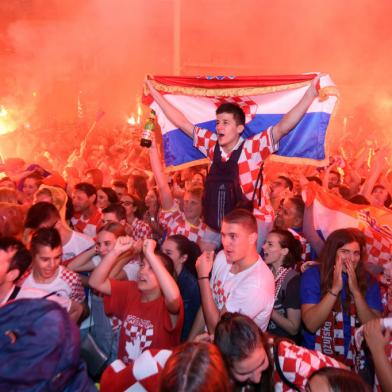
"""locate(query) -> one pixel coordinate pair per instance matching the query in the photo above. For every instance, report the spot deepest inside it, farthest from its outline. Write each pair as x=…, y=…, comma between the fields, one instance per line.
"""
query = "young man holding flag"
x=230, y=123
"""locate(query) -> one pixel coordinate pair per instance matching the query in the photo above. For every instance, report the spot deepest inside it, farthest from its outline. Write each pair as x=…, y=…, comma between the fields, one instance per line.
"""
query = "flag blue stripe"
x=305, y=141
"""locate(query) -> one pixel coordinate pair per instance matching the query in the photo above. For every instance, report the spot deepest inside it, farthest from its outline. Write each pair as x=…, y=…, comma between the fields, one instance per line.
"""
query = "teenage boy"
x=48, y=275
x=230, y=123
x=240, y=280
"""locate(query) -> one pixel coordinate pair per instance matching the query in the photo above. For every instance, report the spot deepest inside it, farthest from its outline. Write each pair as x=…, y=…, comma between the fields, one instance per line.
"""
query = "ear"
x=12, y=275
x=240, y=129
x=253, y=238
x=183, y=259
x=285, y=251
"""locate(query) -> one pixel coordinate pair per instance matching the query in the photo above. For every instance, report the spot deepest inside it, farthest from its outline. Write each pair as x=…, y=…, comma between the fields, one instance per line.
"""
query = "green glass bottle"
x=149, y=127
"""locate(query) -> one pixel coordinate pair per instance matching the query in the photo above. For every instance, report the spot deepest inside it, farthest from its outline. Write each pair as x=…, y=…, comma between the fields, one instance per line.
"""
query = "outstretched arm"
x=292, y=118
x=173, y=114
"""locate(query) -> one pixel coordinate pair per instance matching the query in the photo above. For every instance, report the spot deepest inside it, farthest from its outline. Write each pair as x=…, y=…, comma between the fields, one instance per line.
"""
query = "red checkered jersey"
x=138, y=230
x=66, y=284
x=174, y=222
x=298, y=364
x=144, y=325
x=256, y=149
x=87, y=226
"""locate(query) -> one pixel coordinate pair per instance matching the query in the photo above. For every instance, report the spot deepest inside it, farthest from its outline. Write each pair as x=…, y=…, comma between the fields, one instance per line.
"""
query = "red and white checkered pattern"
x=88, y=227
x=74, y=282
x=174, y=222
x=379, y=247
x=388, y=352
x=219, y=295
x=306, y=254
x=255, y=150
x=245, y=103
x=138, y=230
x=298, y=364
x=138, y=336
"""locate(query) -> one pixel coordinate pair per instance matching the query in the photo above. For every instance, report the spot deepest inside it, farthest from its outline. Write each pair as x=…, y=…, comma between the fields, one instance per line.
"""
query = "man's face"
x=278, y=189
x=46, y=262
x=192, y=206
x=287, y=216
x=236, y=241
x=108, y=217
x=30, y=186
x=227, y=130
x=120, y=191
x=333, y=180
x=81, y=202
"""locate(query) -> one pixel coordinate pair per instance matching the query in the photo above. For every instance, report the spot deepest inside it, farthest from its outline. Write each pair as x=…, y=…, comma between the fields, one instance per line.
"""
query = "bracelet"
x=332, y=293
x=203, y=277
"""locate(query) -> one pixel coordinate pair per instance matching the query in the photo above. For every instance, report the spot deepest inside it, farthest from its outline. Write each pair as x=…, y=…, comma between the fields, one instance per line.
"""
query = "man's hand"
x=314, y=87
x=204, y=263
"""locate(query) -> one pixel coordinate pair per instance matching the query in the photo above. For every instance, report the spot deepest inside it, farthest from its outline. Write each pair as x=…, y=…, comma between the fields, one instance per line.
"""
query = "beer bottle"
x=148, y=130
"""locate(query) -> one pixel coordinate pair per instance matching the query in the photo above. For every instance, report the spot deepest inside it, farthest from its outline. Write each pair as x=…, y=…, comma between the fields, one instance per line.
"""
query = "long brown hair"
x=335, y=241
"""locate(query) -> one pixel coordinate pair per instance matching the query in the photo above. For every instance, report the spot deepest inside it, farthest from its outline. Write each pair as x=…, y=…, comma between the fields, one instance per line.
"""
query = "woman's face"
x=273, y=252
x=380, y=194
x=102, y=199
x=105, y=242
x=349, y=253
x=251, y=368
x=128, y=203
x=151, y=199
x=170, y=249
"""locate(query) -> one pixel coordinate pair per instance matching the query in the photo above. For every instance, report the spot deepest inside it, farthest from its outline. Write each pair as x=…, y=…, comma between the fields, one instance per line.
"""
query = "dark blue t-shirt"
x=310, y=292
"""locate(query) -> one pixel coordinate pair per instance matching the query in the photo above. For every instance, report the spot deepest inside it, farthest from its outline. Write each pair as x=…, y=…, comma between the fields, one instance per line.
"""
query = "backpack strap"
x=14, y=293
x=279, y=369
x=259, y=184
x=233, y=157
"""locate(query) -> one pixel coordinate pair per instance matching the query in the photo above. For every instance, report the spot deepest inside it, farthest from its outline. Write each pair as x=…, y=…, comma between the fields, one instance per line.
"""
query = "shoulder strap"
x=279, y=369
x=14, y=293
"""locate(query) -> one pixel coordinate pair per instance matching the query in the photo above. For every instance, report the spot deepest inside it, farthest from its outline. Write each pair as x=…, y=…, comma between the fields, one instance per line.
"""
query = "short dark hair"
x=21, y=260
x=111, y=194
x=44, y=237
x=116, y=209
x=243, y=217
x=235, y=110
x=39, y=213
x=315, y=179
x=87, y=188
x=289, y=183
x=299, y=204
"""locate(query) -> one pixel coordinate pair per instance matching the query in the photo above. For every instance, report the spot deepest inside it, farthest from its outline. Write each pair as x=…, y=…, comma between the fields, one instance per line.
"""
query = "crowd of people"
x=263, y=303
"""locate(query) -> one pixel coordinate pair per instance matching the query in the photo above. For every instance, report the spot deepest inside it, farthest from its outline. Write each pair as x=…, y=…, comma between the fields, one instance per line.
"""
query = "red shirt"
x=144, y=325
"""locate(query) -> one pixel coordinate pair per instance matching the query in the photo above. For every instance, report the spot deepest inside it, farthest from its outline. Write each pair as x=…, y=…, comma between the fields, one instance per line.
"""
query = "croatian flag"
x=264, y=99
x=331, y=212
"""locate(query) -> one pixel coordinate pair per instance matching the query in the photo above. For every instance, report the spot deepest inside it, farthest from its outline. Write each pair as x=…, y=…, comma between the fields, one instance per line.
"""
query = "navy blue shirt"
x=190, y=294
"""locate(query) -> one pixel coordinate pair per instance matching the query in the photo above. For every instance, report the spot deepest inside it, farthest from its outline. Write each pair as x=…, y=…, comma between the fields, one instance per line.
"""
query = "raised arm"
x=99, y=278
x=165, y=193
x=168, y=285
x=173, y=114
x=211, y=313
x=292, y=118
